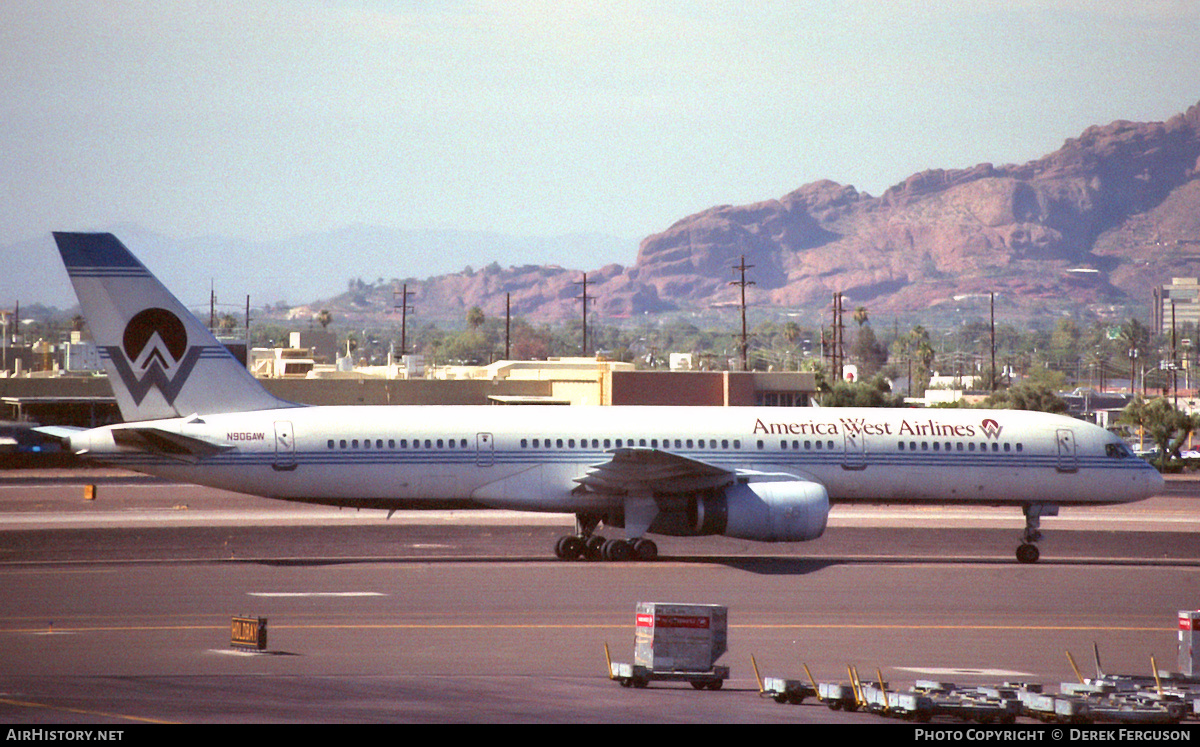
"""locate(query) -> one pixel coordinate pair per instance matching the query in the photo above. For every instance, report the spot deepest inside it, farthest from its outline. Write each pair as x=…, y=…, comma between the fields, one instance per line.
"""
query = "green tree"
x=475, y=317
x=1028, y=396
x=869, y=352
x=874, y=393
x=1167, y=427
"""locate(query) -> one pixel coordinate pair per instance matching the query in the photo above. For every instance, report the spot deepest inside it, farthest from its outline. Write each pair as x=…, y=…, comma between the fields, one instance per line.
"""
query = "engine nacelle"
x=776, y=511
x=786, y=511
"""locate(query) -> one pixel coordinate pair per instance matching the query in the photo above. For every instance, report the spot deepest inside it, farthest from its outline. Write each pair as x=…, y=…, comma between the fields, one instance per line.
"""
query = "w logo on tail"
x=154, y=354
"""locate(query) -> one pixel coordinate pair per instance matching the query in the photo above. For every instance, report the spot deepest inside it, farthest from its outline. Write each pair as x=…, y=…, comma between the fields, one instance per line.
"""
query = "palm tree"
x=475, y=317
x=1136, y=338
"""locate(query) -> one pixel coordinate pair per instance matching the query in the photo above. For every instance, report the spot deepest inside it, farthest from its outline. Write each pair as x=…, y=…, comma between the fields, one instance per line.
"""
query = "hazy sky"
x=269, y=119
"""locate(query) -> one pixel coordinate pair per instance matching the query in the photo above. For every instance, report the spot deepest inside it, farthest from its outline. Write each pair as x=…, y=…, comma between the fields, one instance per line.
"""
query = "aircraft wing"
x=165, y=443
x=652, y=471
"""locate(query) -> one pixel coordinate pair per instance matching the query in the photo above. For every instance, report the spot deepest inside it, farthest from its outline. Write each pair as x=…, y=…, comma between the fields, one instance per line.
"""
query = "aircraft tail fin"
x=161, y=360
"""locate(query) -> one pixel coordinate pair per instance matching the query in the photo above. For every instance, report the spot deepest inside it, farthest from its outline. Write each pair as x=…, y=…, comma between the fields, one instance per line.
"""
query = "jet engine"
x=786, y=511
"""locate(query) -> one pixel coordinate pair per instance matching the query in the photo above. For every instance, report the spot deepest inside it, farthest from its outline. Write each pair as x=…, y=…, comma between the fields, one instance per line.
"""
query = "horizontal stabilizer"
x=61, y=433
x=167, y=444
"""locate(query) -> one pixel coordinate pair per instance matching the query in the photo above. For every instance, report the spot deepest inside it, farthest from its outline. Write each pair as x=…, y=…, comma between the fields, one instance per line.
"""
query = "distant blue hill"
x=302, y=269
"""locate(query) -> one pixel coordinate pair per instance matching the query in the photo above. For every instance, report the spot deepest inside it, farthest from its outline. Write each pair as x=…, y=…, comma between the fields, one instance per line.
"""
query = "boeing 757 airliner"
x=193, y=413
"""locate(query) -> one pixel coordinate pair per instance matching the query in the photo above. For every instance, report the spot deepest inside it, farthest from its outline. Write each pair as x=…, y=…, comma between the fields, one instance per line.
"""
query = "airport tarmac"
x=117, y=610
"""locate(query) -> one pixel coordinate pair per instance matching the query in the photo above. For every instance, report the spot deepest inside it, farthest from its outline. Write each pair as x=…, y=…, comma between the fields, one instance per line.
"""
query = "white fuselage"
x=529, y=458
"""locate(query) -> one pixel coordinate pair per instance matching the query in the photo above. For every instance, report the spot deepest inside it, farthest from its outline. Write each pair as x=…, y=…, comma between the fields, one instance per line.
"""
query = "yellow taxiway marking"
x=83, y=711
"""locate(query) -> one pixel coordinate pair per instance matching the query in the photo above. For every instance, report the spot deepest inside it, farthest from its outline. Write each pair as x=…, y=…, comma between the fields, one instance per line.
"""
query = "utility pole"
x=745, y=344
x=404, y=309
x=507, y=323
x=585, y=300
x=1174, y=393
x=839, y=353
x=993, y=309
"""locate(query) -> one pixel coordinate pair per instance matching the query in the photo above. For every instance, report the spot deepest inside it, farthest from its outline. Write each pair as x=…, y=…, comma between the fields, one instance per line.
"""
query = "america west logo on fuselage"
x=154, y=352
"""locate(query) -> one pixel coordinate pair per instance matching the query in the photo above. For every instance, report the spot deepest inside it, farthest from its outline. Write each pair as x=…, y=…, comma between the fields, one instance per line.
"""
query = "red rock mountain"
x=1098, y=222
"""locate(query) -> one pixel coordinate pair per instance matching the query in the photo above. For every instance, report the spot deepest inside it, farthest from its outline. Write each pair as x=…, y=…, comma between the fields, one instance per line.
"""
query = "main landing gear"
x=1028, y=552
x=586, y=545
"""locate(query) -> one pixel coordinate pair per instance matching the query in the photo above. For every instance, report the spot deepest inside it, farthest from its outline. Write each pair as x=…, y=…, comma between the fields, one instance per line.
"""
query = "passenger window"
x=354, y=443
x=330, y=444
x=440, y=443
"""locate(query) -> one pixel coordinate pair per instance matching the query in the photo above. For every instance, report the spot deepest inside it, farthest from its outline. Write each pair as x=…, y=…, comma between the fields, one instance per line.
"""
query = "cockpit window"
x=1117, y=450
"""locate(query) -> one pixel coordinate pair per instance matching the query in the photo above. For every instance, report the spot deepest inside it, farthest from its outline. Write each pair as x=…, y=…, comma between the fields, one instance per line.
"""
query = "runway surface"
x=117, y=610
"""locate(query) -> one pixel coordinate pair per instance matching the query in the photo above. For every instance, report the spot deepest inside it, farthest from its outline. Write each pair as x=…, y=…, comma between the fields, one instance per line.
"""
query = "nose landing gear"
x=1027, y=551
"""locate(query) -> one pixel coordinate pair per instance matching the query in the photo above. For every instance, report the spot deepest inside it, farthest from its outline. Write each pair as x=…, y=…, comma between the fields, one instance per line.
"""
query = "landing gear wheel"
x=644, y=549
x=594, y=548
x=1028, y=553
x=568, y=548
x=617, y=550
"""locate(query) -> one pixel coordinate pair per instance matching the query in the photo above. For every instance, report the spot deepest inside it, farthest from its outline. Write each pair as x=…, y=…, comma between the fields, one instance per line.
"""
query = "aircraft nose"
x=1154, y=482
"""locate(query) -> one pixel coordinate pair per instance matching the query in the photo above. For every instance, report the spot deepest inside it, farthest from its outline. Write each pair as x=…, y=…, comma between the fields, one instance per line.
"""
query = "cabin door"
x=855, y=456
x=1068, y=459
x=285, y=446
x=485, y=452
